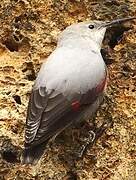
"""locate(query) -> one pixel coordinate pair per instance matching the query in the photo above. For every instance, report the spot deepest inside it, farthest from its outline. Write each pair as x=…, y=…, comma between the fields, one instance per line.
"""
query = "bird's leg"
x=88, y=140
x=92, y=137
x=82, y=127
x=105, y=125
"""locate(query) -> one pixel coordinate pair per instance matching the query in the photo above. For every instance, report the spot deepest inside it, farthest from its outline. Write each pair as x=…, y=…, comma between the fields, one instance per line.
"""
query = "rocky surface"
x=28, y=34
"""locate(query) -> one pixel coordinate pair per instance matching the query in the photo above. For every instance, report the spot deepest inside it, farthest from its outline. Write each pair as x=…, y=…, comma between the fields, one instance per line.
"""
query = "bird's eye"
x=91, y=26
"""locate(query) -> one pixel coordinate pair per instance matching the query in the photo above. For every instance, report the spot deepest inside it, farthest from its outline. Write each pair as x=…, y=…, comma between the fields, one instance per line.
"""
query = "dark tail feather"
x=33, y=154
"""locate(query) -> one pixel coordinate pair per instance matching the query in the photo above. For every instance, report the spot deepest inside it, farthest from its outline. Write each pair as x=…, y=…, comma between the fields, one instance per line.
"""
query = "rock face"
x=28, y=34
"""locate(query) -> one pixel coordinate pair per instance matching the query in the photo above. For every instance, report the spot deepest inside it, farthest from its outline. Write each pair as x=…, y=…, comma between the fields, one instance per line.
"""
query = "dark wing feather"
x=37, y=104
x=51, y=121
x=44, y=113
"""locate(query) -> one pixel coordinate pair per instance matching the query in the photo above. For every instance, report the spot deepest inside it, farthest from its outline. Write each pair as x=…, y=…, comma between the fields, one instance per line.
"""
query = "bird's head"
x=91, y=31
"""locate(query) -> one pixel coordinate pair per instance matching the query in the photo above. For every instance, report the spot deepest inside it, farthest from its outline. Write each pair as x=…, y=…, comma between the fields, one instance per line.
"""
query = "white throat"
x=81, y=42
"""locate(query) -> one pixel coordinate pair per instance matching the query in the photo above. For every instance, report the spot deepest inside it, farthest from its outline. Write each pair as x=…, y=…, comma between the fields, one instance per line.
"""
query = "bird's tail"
x=33, y=154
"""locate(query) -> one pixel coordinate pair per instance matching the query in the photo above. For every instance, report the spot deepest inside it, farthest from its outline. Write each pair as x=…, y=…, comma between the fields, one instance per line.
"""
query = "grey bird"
x=69, y=86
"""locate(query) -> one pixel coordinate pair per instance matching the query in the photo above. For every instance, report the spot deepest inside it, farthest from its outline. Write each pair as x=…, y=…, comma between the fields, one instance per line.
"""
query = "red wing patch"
x=75, y=105
x=90, y=96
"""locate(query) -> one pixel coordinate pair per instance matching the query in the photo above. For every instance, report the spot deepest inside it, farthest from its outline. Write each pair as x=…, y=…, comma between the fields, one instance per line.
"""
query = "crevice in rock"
x=17, y=99
x=28, y=70
x=8, y=151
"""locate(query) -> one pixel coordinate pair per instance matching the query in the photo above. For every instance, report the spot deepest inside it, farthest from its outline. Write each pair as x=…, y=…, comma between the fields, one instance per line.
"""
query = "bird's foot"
x=86, y=141
x=91, y=137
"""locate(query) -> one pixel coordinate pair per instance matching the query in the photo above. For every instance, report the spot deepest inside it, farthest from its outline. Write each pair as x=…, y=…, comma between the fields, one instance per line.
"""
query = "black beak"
x=117, y=22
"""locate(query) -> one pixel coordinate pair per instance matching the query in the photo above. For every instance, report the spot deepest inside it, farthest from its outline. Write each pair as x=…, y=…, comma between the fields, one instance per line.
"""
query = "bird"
x=69, y=87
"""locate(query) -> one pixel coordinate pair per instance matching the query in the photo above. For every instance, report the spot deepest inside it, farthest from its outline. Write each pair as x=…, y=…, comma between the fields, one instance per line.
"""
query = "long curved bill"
x=117, y=22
